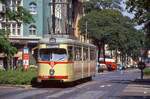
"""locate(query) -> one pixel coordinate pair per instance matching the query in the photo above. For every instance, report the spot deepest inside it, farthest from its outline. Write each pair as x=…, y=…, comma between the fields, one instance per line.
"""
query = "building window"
x=33, y=8
x=14, y=4
x=18, y=2
x=19, y=29
x=32, y=30
x=13, y=28
x=16, y=29
x=3, y=26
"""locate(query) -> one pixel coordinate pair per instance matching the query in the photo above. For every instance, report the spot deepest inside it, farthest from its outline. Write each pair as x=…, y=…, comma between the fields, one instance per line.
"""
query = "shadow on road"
x=136, y=81
x=121, y=81
x=134, y=97
x=58, y=84
x=143, y=83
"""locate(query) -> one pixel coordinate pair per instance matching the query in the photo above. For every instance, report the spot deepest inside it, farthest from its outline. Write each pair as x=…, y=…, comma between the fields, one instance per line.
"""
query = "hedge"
x=147, y=71
x=18, y=77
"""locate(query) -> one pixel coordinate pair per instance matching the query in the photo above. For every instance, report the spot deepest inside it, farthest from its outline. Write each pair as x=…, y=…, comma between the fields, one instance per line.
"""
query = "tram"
x=66, y=60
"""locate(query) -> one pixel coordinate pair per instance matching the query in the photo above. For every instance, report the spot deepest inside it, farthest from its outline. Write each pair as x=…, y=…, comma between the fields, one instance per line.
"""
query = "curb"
x=19, y=86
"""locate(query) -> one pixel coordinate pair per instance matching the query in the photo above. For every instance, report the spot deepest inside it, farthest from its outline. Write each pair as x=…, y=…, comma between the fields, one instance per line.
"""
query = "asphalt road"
x=107, y=85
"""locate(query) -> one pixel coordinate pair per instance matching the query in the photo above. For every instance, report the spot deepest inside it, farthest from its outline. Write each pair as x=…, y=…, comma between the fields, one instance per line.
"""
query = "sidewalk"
x=138, y=89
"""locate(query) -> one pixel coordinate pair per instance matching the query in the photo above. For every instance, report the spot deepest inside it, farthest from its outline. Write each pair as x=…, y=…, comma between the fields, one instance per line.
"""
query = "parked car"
x=102, y=67
x=121, y=67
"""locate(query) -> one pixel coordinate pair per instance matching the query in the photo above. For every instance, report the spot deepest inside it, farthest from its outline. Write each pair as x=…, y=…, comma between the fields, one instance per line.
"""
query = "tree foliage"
x=5, y=45
x=102, y=4
x=18, y=14
x=141, y=10
x=21, y=14
x=111, y=27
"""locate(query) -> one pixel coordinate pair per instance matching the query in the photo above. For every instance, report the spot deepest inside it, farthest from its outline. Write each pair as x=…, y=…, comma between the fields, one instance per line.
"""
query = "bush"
x=17, y=77
x=147, y=71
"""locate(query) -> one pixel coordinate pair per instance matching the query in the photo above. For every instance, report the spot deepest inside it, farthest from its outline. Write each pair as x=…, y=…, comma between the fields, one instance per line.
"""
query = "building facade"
x=66, y=14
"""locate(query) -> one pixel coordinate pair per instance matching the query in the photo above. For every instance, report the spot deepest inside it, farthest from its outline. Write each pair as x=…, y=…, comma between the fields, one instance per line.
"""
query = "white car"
x=102, y=67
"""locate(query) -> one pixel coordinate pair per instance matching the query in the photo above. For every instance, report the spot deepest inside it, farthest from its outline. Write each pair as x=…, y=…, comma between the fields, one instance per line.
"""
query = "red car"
x=110, y=63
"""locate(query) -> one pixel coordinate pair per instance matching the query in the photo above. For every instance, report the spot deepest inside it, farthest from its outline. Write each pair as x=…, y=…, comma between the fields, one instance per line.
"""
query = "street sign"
x=25, y=50
x=26, y=58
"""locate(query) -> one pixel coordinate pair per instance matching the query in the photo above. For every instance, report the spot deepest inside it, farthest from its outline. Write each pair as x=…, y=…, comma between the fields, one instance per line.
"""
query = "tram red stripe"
x=52, y=77
x=47, y=62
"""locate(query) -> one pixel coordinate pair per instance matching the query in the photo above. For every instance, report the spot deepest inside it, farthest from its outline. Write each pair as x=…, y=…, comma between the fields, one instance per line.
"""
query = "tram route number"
x=51, y=72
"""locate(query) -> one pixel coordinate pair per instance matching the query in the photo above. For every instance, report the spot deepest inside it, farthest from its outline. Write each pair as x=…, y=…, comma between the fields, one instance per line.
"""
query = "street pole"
x=53, y=17
x=86, y=31
x=141, y=66
x=142, y=74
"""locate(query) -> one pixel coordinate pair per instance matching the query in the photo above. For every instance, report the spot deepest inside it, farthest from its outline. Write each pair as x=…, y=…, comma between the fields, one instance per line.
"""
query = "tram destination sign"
x=52, y=46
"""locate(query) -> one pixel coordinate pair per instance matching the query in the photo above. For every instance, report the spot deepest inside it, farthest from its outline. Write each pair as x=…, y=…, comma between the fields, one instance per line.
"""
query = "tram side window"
x=78, y=54
x=92, y=54
x=85, y=54
x=70, y=53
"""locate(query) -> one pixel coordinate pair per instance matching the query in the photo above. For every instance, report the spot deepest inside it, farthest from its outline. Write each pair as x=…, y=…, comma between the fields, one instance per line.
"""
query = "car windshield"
x=53, y=54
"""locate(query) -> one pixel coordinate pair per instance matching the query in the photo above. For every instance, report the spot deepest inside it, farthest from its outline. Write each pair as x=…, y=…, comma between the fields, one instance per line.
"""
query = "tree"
x=141, y=10
x=102, y=4
x=19, y=15
x=110, y=27
x=99, y=23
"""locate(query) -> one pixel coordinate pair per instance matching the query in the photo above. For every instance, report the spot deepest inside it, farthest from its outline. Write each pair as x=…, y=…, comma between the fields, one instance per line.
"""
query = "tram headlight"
x=51, y=72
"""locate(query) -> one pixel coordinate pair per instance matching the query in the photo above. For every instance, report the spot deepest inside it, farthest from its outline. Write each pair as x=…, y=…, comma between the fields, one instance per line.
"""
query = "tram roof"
x=65, y=41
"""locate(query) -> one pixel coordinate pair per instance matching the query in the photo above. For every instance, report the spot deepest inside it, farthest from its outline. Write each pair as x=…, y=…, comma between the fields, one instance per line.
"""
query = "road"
x=107, y=85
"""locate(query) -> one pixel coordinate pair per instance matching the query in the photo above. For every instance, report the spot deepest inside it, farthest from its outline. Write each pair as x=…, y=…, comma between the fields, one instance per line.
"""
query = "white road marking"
x=145, y=92
x=109, y=85
x=102, y=86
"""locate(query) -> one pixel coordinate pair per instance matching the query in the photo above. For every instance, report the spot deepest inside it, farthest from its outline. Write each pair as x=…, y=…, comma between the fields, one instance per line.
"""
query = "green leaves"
x=17, y=77
x=112, y=28
x=5, y=45
x=140, y=9
x=18, y=14
x=102, y=4
x=21, y=14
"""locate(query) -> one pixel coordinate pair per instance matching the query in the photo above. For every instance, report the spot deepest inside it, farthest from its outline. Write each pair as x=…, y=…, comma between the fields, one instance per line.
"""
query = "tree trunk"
x=99, y=52
x=103, y=45
x=9, y=58
x=116, y=56
x=98, y=44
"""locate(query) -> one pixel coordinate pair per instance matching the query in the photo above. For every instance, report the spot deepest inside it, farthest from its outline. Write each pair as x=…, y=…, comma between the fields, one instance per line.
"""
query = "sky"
x=125, y=13
x=123, y=5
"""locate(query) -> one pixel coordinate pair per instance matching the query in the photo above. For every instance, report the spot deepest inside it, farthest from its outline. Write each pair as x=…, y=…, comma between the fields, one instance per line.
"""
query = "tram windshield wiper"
x=62, y=58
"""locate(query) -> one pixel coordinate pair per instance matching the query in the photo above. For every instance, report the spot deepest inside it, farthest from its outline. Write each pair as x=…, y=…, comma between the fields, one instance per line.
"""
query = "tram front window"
x=55, y=54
